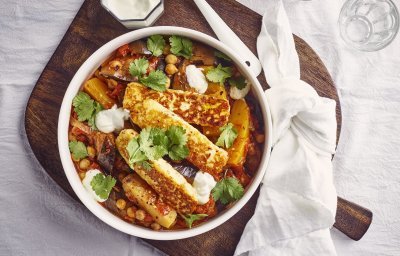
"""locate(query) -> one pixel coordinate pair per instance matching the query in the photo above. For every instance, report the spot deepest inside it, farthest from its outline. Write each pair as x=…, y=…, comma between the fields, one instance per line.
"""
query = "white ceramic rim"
x=88, y=68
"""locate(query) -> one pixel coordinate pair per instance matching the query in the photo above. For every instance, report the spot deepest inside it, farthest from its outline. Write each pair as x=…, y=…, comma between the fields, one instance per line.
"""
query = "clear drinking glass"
x=368, y=25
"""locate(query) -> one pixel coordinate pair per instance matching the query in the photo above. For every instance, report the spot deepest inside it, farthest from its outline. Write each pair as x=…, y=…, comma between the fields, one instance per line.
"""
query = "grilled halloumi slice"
x=202, y=152
x=195, y=108
x=137, y=190
x=163, y=178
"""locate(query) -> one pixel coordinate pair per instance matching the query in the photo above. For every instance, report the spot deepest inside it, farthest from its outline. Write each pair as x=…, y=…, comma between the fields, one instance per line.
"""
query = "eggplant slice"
x=105, y=146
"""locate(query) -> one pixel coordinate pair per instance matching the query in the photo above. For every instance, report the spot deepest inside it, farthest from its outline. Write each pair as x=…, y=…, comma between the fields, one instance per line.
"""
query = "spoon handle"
x=352, y=219
x=228, y=37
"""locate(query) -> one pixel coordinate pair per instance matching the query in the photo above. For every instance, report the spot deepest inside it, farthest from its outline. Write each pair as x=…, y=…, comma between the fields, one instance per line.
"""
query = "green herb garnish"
x=139, y=67
x=134, y=151
x=239, y=82
x=156, y=80
x=86, y=108
x=154, y=143
x=181, y=46
x=78, y=149
x=102, y=185
x=177, y=146
x=227, y=136
x=222, y=55
x=228, y=190
x=156, y=44
x=151, y=144
x=190, y=218
x=219, y=74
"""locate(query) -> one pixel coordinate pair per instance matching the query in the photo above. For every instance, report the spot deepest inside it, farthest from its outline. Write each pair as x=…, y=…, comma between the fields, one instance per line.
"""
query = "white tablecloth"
x=38, y=218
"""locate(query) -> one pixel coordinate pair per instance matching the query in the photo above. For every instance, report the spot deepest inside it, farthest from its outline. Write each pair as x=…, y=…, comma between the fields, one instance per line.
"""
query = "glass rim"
x=360, y=47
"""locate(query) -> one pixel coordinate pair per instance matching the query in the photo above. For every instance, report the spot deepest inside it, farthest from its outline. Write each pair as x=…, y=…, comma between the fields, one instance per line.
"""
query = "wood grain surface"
x=93, y=27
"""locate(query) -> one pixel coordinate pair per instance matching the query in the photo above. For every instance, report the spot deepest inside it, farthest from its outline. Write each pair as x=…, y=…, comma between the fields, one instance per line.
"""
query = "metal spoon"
x=228, y=37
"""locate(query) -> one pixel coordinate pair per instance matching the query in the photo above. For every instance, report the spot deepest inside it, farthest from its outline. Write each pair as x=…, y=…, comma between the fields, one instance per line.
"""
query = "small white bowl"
x=88, y=68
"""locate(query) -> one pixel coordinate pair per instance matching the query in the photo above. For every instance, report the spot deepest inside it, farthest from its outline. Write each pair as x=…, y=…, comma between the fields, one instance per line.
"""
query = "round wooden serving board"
x=93, y=27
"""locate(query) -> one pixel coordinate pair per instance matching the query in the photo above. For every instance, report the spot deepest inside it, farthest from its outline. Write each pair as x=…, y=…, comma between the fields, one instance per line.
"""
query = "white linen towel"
x=297, y=202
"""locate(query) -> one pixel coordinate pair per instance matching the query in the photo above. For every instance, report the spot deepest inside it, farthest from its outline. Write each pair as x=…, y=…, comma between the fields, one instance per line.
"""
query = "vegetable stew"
x=166, y=134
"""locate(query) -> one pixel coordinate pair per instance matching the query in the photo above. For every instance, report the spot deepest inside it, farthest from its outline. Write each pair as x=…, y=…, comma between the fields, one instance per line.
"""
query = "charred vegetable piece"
x=98, y=91
x=203, y=55
x=186, y=169
x=105, y=146
x=139, y=47
x=137, y=190
x=240, y=118
x=179, y=81
x=118, y=69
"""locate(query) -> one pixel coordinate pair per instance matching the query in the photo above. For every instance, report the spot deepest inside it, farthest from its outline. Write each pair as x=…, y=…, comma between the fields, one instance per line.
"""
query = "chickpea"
x=155, y=226
x=171, y=69
x=171, y=59
x=260, y=138
x=140, y=215
x=130, y=212
x=82, y=175
x=91, y=151
x=84, y=164
x=121, y=204
x=168, y=84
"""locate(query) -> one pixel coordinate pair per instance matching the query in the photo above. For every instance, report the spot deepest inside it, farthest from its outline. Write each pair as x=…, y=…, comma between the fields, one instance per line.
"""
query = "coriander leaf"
x=227, y=136
x=219, y=74
x=228, y=190
x=177, y=149
x=83, y=106
x=86, y=108
x=156, y=44
x=178, y=152
x=181, y=46
x=147, y=145
x=78, y=149
x=239, y=82
x=190, y=218
x=92, y=119
x=102, y=185
x=135, y=154
x=177, y=135
x=222, y=55
x=156, y=80
x=138, y=67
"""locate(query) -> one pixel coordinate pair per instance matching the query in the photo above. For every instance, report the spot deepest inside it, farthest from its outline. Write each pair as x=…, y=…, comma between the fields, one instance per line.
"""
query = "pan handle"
x=351, y=219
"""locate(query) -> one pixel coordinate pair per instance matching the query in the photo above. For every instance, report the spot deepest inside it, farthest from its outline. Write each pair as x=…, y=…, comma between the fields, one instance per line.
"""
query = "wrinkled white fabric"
x=297, y=200
x=366, y=166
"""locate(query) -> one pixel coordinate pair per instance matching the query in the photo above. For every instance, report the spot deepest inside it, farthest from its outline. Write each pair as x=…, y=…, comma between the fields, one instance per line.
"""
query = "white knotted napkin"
x=297, y=202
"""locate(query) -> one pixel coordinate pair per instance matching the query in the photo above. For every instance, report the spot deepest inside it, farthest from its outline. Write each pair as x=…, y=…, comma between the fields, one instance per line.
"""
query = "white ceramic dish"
x=88, y=68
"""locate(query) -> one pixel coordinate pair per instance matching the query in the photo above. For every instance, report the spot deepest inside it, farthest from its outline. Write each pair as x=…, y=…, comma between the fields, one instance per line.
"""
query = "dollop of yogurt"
x=86, y=184
x=112, y=119
x=237, y=93
x=203, y=184
x=196, y=78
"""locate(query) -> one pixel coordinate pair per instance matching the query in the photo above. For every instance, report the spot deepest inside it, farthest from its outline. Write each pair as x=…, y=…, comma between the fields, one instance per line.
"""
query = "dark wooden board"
x=93, y=27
